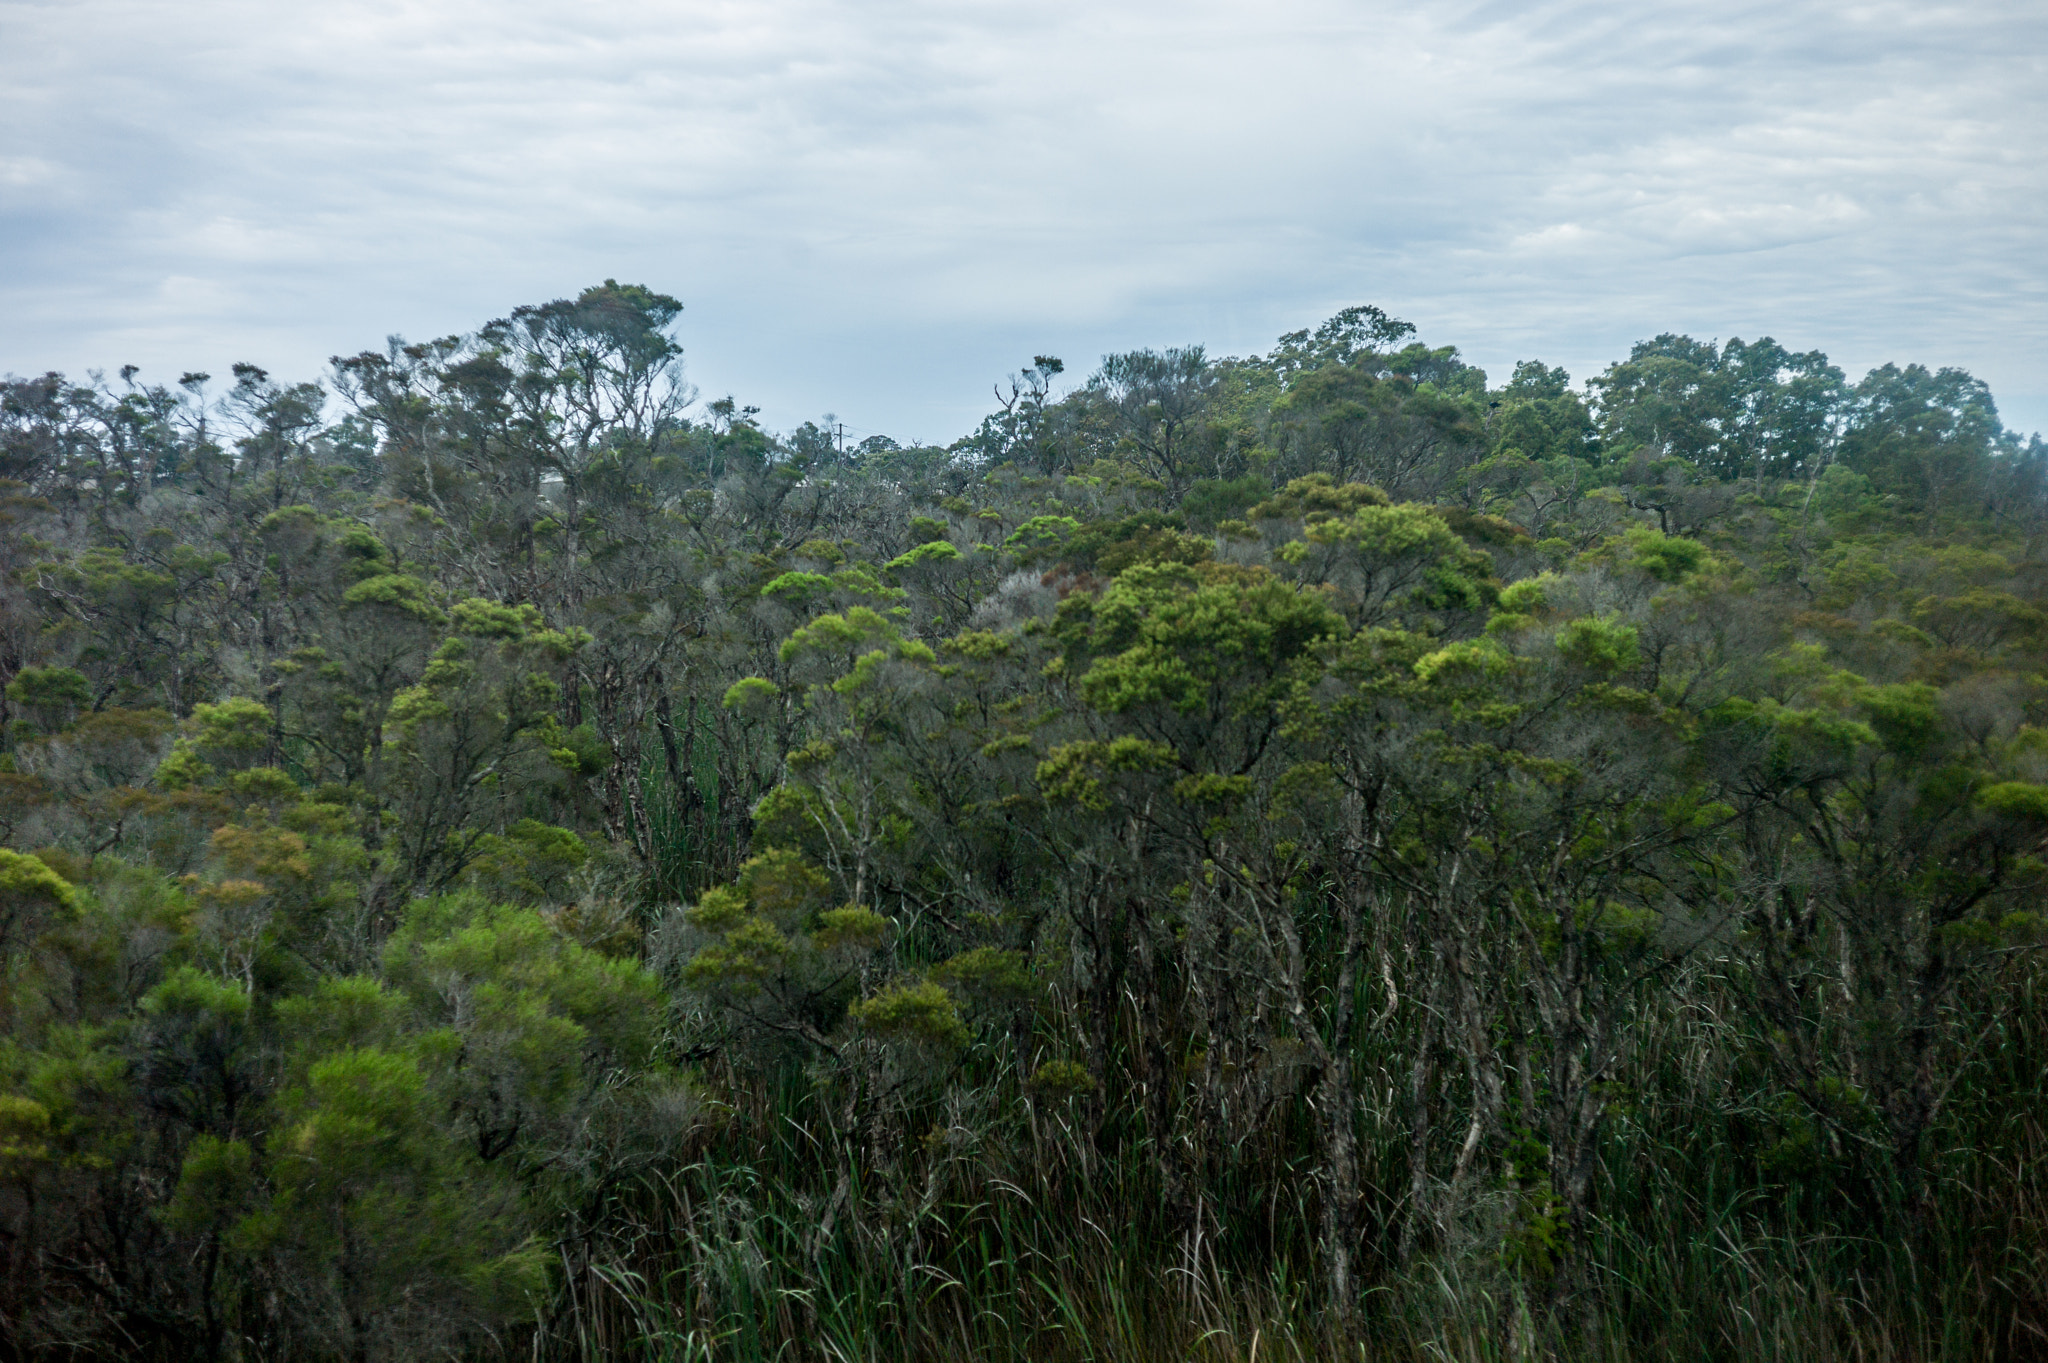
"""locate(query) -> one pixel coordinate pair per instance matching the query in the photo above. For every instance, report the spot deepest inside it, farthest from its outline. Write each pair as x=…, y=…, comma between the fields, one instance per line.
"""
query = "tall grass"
x=983, y=1222
x=694, y=846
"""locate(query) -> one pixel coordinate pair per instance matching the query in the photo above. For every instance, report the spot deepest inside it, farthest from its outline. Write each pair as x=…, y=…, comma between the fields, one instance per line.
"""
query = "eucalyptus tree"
x=1157, y=400
x=1740, y=410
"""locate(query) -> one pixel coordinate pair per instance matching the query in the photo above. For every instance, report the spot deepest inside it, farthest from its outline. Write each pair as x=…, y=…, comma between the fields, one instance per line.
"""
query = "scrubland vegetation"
x=1313, y=855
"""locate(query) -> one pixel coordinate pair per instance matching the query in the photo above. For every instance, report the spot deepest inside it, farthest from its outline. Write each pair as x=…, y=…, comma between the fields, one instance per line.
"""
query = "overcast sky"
x=877, y=208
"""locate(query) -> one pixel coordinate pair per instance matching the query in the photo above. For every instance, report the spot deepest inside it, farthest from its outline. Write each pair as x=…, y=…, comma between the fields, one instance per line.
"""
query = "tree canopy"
x=500, y=856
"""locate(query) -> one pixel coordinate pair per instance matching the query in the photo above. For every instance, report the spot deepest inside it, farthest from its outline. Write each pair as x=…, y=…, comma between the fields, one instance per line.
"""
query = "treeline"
x=1303, y=852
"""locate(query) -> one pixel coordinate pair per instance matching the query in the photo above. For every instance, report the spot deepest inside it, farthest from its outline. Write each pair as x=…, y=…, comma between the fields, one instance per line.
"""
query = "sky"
x=877, y=209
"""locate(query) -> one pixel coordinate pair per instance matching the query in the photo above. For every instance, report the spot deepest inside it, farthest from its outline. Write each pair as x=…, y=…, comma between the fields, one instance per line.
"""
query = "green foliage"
x=1316, y=497
x=1602, y=646
x=777, y=958
x=1668, y=558
x=1903, y=716
x=394, y=592
x=510, y=959
x=1041, y=536
x=798, y=589
x=27, y=885
x=234, y=733
x=373, y=1206
x=1480, y=662
x=1061, y=1079
x=1384, y=561
x=52, y=696
x=1306, y=853
x=1211, y=501
x=579, y=751
x=1109, y=547
x=2019, y=799
x=845, y=637
x=930, y=553
x=988, y=976
x=852, y=927
x=1743, y=409
x=920, y=1011
x=532, y=862
x=1076, y=771
x=1192, y=641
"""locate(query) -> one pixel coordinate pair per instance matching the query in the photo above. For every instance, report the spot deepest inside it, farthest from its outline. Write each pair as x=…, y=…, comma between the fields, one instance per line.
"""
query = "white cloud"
x=876, y=207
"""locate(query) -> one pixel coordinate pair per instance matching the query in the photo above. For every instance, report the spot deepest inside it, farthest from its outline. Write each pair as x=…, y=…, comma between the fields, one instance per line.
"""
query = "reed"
x=992, y=1225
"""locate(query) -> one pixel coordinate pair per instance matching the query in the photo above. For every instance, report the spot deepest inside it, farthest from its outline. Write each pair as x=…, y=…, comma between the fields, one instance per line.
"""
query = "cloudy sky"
x=876, y=208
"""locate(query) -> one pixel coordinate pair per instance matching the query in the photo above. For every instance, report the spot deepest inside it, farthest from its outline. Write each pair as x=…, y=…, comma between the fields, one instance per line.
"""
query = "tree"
x=1922, y=435
x=1356, y=336
x=1888, y=860
x=1733, y=411
x=1157, y=398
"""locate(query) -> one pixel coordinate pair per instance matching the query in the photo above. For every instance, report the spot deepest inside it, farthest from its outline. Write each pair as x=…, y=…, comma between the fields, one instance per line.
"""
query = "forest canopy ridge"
x=501, y=856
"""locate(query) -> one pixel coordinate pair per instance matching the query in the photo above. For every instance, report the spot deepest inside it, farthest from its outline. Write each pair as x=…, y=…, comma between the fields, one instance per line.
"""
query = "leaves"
x=1317, y=798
